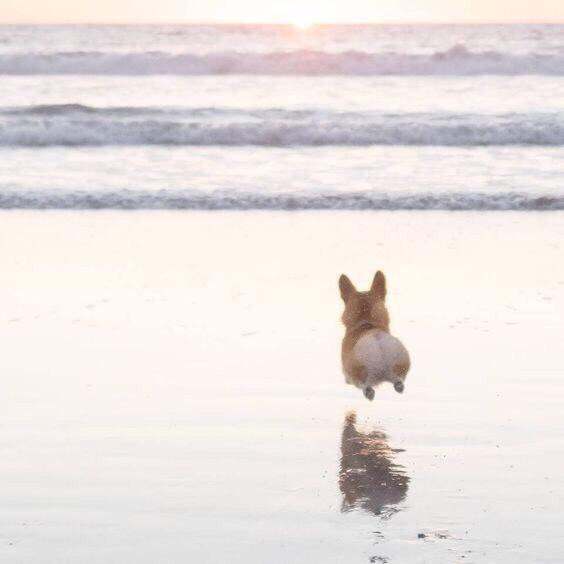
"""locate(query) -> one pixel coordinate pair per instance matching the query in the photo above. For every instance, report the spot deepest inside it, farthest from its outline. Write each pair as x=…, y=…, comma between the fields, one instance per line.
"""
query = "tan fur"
x=366, y=315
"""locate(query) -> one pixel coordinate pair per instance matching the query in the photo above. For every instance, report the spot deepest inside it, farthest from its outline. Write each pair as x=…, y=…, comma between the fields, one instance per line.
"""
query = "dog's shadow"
x=369, y=478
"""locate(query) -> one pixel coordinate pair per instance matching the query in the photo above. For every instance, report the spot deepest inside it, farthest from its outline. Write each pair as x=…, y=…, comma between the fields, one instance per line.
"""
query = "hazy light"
x=302, y=14
x=303, y=23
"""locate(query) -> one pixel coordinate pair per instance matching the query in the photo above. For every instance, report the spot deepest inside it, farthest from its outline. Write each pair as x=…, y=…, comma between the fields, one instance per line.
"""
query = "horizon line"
x=279, y=24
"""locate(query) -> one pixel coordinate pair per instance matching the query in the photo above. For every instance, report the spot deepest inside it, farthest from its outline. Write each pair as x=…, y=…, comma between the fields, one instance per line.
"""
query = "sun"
x=303, y=23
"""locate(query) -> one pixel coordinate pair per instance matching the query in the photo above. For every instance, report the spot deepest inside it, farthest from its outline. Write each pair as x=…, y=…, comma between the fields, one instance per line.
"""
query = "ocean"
x=409, y=117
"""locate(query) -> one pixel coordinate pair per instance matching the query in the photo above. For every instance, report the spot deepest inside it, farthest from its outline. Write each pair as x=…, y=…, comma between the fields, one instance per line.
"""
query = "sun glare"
x=302, y=23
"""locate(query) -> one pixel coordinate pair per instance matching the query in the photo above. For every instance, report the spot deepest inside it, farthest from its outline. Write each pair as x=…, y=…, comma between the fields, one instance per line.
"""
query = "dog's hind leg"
x=358, y=375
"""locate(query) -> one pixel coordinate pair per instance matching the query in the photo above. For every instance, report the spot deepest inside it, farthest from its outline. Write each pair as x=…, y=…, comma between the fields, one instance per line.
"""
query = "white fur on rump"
x=382, y=355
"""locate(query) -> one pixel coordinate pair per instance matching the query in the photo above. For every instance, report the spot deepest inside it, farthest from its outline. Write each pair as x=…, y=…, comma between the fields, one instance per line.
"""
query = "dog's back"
x=370, y=354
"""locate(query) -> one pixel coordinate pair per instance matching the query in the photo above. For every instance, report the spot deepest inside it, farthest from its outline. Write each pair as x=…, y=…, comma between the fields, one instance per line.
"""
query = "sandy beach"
x=172, y=389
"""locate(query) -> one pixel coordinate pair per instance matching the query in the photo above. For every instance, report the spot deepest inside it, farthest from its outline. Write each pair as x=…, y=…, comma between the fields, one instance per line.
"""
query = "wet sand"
x=172, y=389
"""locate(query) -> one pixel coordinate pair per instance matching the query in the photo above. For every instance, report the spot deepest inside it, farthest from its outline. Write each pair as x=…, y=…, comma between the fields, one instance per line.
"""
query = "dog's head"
x=369, y=307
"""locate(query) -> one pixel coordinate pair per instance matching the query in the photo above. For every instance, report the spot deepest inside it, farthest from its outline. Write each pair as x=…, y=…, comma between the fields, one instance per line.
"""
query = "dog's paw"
x=369, y=393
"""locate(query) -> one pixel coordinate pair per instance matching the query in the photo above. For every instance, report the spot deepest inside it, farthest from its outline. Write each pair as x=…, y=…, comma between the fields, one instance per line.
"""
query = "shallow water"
x=166, y=400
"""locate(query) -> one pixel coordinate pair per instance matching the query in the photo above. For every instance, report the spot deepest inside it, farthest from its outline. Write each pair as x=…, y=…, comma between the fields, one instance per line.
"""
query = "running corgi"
x=369, y=353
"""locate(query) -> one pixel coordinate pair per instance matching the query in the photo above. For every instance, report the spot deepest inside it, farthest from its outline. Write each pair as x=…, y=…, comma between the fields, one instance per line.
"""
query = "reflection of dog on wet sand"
x=369, y=479
x=370, y=354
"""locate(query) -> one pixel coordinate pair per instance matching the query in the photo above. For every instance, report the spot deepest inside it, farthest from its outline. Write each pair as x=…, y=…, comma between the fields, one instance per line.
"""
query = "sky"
x=300, y=12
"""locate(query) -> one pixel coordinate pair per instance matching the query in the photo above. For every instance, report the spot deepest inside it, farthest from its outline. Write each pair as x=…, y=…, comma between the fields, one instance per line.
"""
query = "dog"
x=370, y=355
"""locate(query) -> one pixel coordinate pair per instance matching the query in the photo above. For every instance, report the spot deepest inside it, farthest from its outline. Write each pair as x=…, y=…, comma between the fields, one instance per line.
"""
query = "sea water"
x=276, y=117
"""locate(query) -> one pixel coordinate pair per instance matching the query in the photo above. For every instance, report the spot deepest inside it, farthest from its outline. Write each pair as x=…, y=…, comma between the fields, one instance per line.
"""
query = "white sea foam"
x=191, y=200
x=421, y=129
x=458, y=60
x=79, y=125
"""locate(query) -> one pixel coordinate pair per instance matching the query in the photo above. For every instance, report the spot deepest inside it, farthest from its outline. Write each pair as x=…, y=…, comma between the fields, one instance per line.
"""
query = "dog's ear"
x=346, y=287
x=378, y=288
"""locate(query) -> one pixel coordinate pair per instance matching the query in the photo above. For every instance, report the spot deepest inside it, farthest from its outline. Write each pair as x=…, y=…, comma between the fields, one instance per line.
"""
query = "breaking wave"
x=190, y=200
x=457, y=60
x=79, y=125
